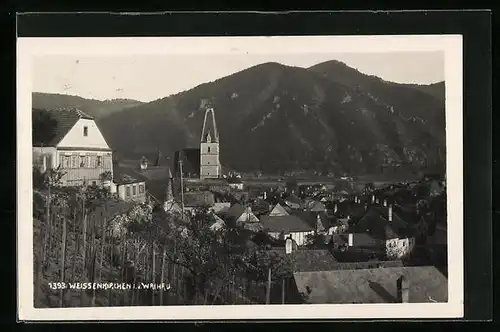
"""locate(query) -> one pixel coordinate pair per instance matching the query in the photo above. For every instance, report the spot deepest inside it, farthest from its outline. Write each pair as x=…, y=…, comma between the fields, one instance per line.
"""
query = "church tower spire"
x=209, y=147
x=170, y=192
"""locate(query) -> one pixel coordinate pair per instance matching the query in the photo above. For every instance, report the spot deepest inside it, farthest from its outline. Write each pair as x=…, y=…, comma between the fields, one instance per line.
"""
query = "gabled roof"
x=235, y=211
x=377, y=285
x=285, y=224
x=66, y=119
x=278, y=210
x=315, y=206
x=217, y=222
x=375, y=223
x=311, y=217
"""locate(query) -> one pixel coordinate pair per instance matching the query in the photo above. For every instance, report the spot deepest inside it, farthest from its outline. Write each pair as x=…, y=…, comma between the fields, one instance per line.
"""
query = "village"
x=333, y=241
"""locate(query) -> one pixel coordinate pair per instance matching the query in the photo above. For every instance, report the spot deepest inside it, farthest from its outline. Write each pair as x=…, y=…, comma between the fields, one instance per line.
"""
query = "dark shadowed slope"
x=276, y=118
x=93, y=107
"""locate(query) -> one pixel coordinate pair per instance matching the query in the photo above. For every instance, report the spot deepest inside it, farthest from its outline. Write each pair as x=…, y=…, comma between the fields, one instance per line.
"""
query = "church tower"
x=209, y=148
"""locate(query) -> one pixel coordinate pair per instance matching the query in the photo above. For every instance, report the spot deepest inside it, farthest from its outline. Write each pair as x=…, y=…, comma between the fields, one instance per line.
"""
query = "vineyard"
x=89, y=236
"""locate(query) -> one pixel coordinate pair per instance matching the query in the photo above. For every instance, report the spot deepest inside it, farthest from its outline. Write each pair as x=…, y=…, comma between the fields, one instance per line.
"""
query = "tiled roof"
x=66, y=118
x=363, y=240
x=278, y=209
x=285, y=224
x=235, y=211
x=366, y=265
x=198, y=199
x=378, y=285
x=375, y=223
x=112, y=208
x=122, y=175
x=307, y=260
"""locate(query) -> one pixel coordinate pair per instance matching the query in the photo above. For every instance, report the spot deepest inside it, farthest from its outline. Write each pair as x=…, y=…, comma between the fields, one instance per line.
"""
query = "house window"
x=73, y=162
x=127, y=191
x=85, y=131
x=208, y=149
x=99, y=161
x=134, y=190
x=82, y=161
x=141, y=189
x=94, y=183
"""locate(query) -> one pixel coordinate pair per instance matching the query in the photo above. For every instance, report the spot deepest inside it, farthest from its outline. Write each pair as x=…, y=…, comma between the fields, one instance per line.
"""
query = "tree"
x=315, y=240
x=106, y=176
x=369, y=188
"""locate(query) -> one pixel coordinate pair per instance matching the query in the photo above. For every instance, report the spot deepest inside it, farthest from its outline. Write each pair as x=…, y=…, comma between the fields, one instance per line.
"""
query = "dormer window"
x=85, y=131
x=208, y=149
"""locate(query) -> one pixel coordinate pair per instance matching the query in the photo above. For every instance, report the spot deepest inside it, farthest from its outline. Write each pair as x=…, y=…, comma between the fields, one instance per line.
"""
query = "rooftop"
x=125, y=176
x=377, y=285
x=285, y=224
x=307, y=260
x=65, y=119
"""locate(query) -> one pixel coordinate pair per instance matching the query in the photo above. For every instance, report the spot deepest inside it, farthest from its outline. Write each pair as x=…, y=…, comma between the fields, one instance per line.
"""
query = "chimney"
x=288, y=245
x=350, y=240
x=390, y=212
x=403, y=290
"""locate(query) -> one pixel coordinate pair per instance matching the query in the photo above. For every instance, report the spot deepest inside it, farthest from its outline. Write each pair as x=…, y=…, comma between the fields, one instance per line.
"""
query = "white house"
x=128, y=185
x=282, y=227
x=385, y=230
x=77, y=146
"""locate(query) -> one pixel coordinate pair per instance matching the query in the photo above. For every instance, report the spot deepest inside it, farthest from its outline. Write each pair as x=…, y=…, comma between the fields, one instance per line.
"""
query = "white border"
x=451, y=45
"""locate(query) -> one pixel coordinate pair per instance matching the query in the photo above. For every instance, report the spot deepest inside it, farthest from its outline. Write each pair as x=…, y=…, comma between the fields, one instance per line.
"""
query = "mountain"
x=273, y=117
x=93, y=107
x=436, y=90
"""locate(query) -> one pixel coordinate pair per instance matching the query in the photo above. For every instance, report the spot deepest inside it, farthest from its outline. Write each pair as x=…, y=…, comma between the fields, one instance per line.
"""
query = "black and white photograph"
x=240, y=177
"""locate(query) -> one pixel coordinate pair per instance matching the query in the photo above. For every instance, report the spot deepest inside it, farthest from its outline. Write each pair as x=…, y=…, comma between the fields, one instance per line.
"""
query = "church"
x=202, y=163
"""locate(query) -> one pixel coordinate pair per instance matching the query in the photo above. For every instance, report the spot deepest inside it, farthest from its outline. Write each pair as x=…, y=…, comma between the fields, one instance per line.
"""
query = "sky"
x=150, y=77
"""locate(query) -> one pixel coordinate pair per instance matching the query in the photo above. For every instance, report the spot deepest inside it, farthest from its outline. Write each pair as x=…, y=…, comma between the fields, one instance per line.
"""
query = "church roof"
x=209, y=129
